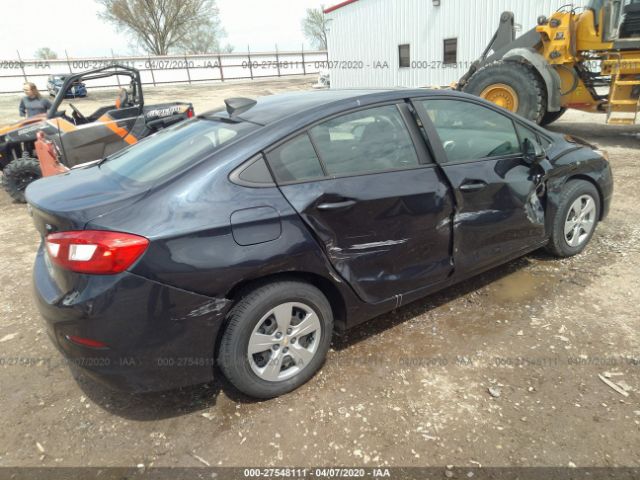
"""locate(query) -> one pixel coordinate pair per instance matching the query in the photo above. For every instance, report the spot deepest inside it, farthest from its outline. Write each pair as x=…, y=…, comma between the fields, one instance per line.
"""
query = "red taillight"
x=190, y=113
x=86, y=342
x=95, y=251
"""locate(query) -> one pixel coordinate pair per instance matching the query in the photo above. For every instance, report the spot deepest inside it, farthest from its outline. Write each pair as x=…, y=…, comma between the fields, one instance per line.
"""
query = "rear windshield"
x=174, y=149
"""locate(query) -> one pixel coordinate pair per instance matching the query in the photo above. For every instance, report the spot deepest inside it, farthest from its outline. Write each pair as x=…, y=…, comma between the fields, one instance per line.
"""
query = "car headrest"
x=373, y=132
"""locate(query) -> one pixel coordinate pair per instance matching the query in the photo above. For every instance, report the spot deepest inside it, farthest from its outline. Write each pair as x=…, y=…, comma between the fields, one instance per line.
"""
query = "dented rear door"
x=376, y=203
x=499, y=209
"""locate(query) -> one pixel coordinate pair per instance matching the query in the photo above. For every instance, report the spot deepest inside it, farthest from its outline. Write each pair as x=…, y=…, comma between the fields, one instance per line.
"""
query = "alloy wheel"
x=581, y=219
x=284, y=341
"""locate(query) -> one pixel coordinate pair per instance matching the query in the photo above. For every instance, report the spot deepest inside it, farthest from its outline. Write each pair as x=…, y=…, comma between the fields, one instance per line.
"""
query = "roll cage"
x=135, y=94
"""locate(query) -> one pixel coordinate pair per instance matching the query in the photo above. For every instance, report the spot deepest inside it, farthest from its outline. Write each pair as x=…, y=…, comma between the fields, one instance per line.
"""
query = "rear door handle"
x=336, y=205
x=473, y=186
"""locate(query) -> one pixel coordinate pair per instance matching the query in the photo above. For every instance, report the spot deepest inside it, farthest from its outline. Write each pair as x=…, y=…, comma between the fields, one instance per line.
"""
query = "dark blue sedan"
x=55, y=82
x=244, y=237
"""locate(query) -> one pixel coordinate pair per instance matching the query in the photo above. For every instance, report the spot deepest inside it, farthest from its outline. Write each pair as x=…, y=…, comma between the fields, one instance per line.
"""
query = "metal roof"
x=339, y=5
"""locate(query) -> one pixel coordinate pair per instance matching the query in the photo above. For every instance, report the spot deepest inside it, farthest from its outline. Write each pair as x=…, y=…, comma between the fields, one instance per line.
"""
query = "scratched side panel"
x=395, y=238
x=499, y=220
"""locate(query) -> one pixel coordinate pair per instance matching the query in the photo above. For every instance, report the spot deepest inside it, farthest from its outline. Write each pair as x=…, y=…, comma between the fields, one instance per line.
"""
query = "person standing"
x=33, y=103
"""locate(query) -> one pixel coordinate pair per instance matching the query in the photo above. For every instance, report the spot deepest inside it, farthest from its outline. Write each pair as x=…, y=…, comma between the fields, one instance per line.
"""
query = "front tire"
x=18, y=174
x=276, y=338
x=575, y=220
x=511, y=85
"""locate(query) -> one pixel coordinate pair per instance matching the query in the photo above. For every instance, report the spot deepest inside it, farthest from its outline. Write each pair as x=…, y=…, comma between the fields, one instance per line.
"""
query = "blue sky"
x=73, y=25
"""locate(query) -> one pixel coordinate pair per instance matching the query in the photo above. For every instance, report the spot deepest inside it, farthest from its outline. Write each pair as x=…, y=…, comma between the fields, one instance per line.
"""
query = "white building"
x=416, y=43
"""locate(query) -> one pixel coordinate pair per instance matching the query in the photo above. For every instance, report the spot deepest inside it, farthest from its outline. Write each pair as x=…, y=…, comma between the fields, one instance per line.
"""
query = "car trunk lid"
x=69, y=201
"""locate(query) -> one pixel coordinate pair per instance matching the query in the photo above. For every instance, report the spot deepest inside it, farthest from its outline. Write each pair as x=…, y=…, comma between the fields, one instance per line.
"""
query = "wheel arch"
x=549, y=76
x=328, y=289
x=334, y=296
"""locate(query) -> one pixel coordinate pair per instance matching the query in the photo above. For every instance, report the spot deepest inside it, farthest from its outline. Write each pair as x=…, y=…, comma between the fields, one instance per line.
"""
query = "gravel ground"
x=501, y=370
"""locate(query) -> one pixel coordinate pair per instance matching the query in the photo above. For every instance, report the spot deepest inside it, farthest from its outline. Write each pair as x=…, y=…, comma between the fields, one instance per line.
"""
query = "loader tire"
x=551, y=117
x=512, y=85
x=18, y=174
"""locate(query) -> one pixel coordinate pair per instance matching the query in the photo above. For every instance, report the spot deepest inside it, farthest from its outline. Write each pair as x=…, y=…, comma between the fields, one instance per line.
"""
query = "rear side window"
x=471, y=132
x=295, y=160
x=254, y=173
x=173, y=149
x=366, y=141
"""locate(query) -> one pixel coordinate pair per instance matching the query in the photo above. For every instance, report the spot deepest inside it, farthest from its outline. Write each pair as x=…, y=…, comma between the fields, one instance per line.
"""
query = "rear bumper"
x=157, y=337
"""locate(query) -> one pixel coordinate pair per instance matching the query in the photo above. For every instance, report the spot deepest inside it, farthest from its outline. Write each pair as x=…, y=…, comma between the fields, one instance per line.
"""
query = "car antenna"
x=237, y=105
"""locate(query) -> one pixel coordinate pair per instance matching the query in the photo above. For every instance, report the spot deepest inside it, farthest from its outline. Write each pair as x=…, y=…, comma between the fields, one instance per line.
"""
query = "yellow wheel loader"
x=585, y=58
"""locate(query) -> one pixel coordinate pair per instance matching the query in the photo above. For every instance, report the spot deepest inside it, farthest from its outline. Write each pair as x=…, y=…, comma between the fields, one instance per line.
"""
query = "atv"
x=79, y=139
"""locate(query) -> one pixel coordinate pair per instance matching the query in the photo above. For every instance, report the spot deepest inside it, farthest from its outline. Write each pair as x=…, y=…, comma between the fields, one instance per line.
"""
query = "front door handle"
x=336, y=205
x=473, y=186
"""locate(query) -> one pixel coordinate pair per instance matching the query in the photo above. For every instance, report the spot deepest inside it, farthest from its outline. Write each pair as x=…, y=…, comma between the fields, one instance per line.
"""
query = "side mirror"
x=533, y=152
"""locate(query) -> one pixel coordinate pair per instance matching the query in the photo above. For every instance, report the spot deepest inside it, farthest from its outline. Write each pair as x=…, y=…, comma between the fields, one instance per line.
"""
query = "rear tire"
x=265, y=351
x=18, y=174
x=551, y=117
x=518, y=77
x=575, y=220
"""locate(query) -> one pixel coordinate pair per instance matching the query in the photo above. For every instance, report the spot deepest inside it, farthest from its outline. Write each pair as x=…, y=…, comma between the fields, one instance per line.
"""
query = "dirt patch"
x=410, y=388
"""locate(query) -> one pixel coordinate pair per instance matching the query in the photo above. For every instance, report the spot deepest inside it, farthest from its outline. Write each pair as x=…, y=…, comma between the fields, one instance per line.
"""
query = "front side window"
x=526, y=134
x=366, y=141
x=471, y=132
x=173, y=149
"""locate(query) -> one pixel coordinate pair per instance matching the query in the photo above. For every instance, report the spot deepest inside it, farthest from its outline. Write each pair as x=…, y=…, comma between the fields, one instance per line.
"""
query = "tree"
x=163, y=26
x=314, y=26
x=45, y=53
x=205, y=39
